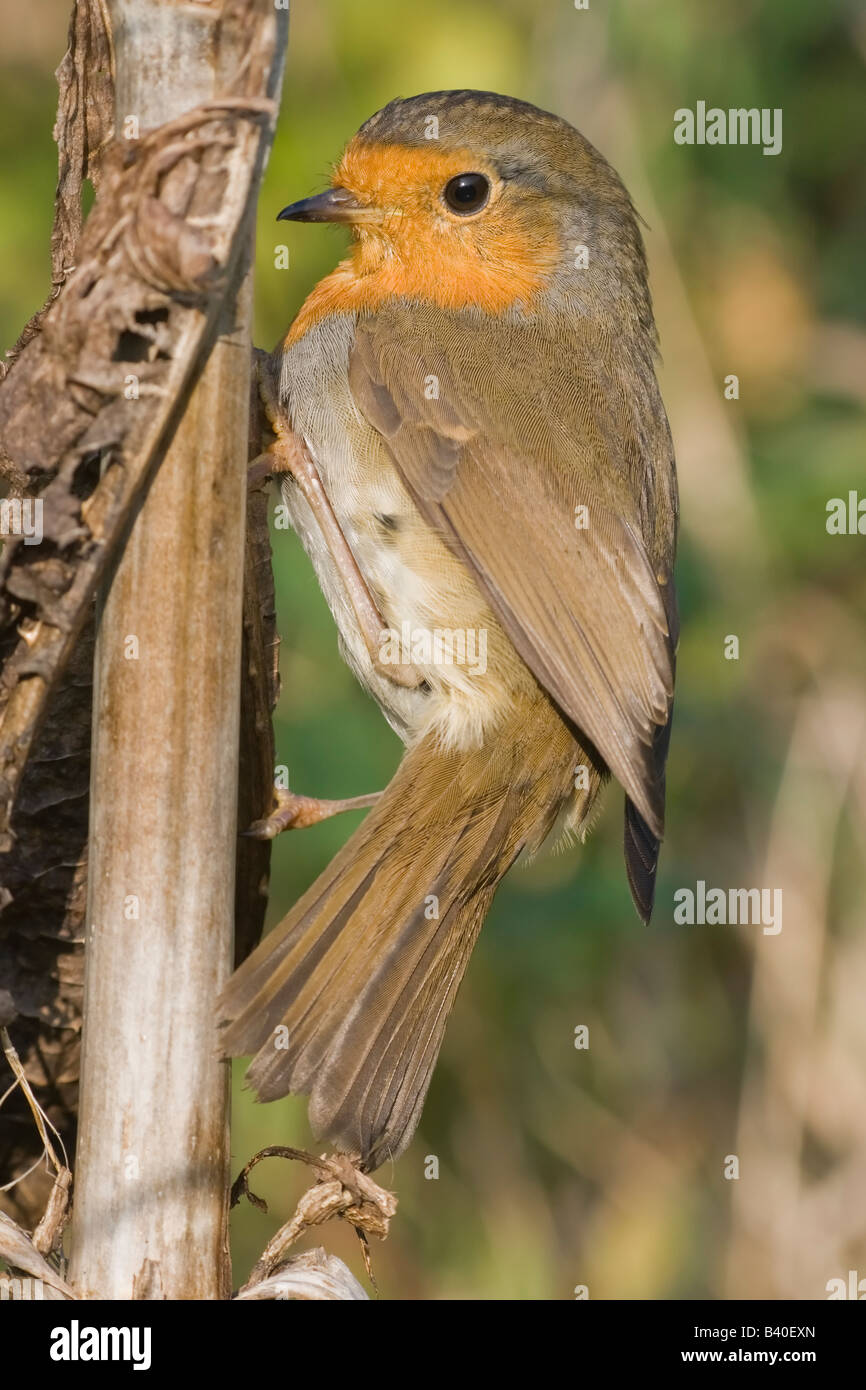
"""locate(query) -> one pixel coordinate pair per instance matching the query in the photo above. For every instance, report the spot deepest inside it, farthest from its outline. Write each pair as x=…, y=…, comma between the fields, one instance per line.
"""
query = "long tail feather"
x=363, y=972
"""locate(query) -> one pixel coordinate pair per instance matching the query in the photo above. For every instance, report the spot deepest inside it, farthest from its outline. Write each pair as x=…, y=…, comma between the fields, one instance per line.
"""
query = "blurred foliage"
x=560, y=1167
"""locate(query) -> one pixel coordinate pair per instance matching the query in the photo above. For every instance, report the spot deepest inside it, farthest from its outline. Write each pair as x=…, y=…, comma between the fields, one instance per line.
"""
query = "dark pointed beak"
x=334, y=205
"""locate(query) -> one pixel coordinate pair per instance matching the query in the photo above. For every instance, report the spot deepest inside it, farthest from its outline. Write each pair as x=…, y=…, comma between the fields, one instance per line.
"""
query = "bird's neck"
x=441, y=271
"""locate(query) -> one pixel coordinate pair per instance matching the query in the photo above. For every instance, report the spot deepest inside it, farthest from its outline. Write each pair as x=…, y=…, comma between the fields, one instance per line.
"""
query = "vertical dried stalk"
x=152, y=1165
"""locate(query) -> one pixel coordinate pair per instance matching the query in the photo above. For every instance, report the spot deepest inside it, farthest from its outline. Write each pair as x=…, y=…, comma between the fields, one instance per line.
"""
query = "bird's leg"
x=295, y=812
x=261, y=467
x=285, y=453
x=294, y=458
x=288, y=454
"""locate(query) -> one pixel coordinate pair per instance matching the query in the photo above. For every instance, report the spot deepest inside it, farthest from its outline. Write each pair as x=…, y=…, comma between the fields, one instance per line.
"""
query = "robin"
x=478, y=463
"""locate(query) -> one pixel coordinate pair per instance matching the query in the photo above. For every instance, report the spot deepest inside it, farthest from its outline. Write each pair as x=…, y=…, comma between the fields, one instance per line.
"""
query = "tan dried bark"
x=139, y=295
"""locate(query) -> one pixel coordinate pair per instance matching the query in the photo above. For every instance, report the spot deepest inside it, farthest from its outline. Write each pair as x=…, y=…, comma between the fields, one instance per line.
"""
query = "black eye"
x=467, y=193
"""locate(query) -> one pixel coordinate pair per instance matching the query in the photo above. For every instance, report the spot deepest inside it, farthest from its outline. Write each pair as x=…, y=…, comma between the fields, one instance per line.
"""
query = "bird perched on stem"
x=477, y=459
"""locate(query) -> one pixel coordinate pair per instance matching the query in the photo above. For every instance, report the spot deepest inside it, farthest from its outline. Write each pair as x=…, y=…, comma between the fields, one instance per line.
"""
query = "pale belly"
x=432, y=608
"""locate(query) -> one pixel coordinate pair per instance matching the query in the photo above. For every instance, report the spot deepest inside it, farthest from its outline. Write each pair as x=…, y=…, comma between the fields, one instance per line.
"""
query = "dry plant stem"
x=141, y=306
x=259, y=691
x=35, y=1108
x=341, y=1189
x=152, y=1165
x=43, y=875
x=85, y=116
x=162, y=836
x=47, y=1235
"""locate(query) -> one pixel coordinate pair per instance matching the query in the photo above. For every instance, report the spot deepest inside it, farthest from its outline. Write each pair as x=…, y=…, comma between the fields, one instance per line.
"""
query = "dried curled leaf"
x=18, y=1250
x=312, y=1276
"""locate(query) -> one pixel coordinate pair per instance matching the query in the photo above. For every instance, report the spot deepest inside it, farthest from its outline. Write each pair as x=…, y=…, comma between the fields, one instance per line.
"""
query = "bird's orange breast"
x=416, y=251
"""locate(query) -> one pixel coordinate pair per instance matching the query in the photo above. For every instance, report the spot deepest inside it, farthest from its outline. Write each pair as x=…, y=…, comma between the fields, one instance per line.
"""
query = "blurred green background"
x=606, y=1167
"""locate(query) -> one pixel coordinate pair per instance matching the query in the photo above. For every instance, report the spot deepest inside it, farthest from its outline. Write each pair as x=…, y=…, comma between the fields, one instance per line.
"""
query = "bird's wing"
x=528, y=453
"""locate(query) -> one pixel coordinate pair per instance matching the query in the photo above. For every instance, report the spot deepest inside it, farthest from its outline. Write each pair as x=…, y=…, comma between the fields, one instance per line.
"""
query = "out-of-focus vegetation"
x=606, y=1167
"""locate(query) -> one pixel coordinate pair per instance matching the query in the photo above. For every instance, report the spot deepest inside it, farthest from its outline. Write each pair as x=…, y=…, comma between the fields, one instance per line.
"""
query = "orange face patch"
x=409, y=243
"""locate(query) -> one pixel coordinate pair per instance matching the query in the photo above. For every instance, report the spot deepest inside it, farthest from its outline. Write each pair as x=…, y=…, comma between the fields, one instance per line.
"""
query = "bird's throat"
x=447, y=272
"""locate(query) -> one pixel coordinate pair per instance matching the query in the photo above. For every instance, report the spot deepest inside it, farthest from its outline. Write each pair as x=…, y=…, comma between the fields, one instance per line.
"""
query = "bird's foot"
x=295, y=812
